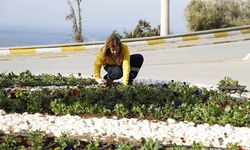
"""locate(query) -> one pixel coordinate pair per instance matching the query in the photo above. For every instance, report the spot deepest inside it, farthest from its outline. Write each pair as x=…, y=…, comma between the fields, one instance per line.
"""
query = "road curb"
x=79, y=47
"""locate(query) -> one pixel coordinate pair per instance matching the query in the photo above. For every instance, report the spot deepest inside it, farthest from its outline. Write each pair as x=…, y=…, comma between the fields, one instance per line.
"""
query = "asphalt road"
x=205, y=64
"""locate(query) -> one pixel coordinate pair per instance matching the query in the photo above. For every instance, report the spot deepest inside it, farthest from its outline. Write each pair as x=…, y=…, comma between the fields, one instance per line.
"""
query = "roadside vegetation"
x=200, y=15
x=142, y=29
x=215, y=14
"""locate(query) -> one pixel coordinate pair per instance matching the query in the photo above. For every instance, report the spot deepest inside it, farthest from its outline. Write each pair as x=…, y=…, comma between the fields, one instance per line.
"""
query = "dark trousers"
x=115, y=72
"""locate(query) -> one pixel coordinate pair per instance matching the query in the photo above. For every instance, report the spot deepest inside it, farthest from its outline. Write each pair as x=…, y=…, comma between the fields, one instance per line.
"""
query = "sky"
x=100, y=17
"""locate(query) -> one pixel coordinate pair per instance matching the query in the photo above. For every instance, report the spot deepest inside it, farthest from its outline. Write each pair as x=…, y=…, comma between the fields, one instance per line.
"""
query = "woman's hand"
x=100, y=81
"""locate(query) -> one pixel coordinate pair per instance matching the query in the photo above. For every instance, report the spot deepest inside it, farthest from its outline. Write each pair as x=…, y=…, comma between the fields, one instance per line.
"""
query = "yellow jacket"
x=123, y=60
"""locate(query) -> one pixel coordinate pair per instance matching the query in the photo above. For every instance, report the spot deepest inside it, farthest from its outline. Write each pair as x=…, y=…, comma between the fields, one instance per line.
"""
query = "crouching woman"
x=117, y=62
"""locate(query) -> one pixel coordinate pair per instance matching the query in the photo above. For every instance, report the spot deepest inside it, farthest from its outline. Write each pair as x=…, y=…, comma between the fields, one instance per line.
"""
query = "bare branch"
x=76, y=20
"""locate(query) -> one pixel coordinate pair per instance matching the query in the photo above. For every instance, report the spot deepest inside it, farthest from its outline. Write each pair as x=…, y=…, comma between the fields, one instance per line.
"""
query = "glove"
x=100, y=81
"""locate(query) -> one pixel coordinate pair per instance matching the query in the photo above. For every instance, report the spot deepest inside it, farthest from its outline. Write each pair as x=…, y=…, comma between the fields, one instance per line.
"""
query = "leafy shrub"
x=142, y=29
x=214, y=14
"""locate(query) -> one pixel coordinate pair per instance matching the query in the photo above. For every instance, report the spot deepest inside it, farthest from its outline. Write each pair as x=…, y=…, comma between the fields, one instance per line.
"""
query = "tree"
x=142, y=29
x=214, y=14
x=205, y=15
x=75, y=17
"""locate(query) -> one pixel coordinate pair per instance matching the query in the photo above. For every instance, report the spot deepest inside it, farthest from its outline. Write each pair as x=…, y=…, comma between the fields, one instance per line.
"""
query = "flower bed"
x=189, y=106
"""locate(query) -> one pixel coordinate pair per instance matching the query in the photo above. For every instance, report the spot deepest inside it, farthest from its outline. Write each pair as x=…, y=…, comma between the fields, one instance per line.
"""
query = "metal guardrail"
x=59, y=48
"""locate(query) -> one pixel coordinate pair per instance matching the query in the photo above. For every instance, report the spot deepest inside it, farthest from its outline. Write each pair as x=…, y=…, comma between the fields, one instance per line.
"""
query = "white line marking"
x=247, y=57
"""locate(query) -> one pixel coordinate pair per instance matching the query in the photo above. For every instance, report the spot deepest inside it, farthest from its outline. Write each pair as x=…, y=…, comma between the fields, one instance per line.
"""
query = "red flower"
x=74, y=92
x=12, y=95
x=224, y=104
x=240, y=148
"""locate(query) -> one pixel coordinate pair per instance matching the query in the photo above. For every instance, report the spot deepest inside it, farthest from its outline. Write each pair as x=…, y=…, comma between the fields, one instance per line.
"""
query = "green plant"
x=9, y=142
x=233, y=146
x=34, y=104
x=93, y=145
x=36, y=140
x=196, y=146
x=74, y=109
x=228, y=81
x=65, y=142
x=159, y=113
x=124, y=147
x=15, y=101
x=26, y=78
x=6, y=80
x=103, y=110
x=3, y=99
x=58, y=107
x=177, y=147
x=120, y=110
x=150, y=144
x=141, y=110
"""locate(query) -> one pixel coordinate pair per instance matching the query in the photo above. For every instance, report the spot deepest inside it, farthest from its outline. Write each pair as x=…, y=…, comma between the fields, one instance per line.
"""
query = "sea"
x=28, y=38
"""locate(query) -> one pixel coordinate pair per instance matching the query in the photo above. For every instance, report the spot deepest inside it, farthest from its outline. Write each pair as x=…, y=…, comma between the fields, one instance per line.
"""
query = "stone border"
x=169, y=132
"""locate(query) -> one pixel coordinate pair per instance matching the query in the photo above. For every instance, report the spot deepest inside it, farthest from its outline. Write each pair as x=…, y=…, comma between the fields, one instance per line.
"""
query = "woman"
x=117, y=62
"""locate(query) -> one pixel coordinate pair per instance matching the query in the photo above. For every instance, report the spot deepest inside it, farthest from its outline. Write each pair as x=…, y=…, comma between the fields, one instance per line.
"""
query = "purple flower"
x=196, y=92
x=152, y=110
x=177, y=103
x=69, y=147
x=151, y=101
x=164, y=86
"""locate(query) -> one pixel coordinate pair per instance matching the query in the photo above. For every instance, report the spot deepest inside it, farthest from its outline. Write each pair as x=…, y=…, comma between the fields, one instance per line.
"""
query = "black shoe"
x=109, y=83
x=130, y=82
